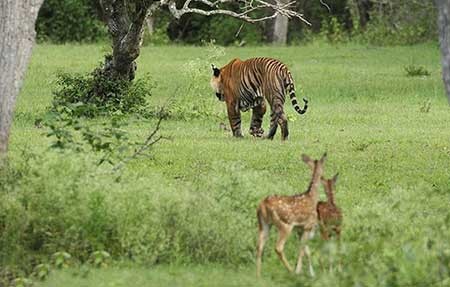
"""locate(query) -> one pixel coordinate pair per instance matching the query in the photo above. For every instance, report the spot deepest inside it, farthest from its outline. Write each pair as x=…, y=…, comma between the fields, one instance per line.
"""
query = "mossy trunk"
x=125, y=21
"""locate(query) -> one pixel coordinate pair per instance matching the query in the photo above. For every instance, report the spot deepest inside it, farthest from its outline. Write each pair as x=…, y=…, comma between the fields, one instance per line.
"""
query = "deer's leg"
x=338, y=237
x=304, y=250
x=257, y=119
x=337, y=230
x=234, y=115
x=323, y=231
x=283, y=233
x=308, y=254
x=263, y=235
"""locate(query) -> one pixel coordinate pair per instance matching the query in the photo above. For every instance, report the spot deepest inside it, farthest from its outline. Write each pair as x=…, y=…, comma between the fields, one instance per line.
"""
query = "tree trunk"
x=277, y=28
x=364, y=7
x=443, y=7
x=150, y=24
x=125, y=22
x=17, y=20
x=280, y=30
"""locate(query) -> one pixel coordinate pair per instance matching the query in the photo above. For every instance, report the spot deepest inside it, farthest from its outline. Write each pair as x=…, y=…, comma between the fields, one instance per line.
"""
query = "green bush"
x=69, y=21
x=399, y=23
x=95, y=94
x=88, y=211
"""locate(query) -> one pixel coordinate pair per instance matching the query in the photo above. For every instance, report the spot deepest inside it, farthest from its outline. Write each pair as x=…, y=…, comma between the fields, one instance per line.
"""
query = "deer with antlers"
x=330, y=216
x=289, y=212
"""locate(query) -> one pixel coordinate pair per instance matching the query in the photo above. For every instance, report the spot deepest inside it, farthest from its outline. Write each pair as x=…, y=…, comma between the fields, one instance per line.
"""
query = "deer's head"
x=315, y=165
x=330, y=185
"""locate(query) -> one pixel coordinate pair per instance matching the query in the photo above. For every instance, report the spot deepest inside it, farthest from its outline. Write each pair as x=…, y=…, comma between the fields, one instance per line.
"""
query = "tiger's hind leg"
x=278, y=117
x=273, y=126
x=282, y=121
x=257, y=119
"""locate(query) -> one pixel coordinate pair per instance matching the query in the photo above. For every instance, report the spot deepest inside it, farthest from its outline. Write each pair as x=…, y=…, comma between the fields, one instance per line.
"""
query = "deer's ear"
x=335, y=178
x=323, y=180
x=216, y=71
x=306, y=159
x=324, y=157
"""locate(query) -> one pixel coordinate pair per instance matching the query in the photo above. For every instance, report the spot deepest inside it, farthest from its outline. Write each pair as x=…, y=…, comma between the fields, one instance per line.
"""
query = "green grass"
x=193, y=203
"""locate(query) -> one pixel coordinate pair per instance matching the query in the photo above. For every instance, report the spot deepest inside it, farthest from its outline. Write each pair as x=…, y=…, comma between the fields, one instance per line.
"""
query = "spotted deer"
x=287, y=212
x=330, y=216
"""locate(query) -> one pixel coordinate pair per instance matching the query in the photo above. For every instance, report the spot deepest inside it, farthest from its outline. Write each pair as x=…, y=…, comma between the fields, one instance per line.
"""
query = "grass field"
x=186, y=216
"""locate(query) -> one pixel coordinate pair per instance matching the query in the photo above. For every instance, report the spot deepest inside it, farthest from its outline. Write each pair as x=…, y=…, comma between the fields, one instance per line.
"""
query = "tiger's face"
x=216, y=83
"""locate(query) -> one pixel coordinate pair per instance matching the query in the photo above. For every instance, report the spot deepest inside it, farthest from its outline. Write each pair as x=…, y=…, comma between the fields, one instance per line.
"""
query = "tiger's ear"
x=216, y=71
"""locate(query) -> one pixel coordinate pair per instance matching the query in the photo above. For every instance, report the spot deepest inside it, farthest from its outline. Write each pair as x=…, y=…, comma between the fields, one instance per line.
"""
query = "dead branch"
x=244, y=13
x=148, y=143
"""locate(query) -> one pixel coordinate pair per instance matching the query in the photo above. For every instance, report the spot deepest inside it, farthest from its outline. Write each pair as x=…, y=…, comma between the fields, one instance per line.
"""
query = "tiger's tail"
x=291, y=91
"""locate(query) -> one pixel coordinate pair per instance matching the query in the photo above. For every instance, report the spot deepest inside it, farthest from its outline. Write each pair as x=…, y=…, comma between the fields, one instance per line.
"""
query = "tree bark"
x=280, y=29
x=364, y=7
x=443, y=7
x=17, y=20
x=150, y=24
x=125, y=21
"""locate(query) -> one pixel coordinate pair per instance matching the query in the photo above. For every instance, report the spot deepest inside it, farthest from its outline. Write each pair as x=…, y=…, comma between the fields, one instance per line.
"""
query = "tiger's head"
x=216, y=83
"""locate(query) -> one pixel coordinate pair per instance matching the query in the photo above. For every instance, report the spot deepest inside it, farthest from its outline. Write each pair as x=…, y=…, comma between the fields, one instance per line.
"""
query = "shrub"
x=95, y=94
x=416, y=71
x=333, y=31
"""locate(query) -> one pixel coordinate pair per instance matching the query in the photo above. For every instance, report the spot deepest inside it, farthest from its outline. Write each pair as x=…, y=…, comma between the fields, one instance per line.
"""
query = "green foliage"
x=158, y=37
x=41, y=271
x=100, y=258
x=61, y=259
x=69, y=21
x=228, y=31
x=333, y=31
x=399, y=23
x=416, y=71
x=22, y=282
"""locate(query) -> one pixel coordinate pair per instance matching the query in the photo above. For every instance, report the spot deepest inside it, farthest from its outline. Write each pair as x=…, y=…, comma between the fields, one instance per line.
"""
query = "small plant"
x=61, y=259
x=425, y=106
x=416, y=71
x=100, y=258
x=22, y=282
x=41, y=271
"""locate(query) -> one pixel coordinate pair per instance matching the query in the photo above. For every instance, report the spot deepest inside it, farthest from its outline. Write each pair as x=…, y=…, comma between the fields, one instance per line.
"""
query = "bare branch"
x=326, y=5
x=244, y=13
x=148, y=143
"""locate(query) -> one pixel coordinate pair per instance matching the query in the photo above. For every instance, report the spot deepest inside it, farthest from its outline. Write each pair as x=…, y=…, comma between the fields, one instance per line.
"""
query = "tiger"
x=248, y=84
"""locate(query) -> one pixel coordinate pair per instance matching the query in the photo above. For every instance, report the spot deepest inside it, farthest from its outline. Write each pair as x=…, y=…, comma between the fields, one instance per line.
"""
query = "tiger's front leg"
x=234, y=115
x=257, y=119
